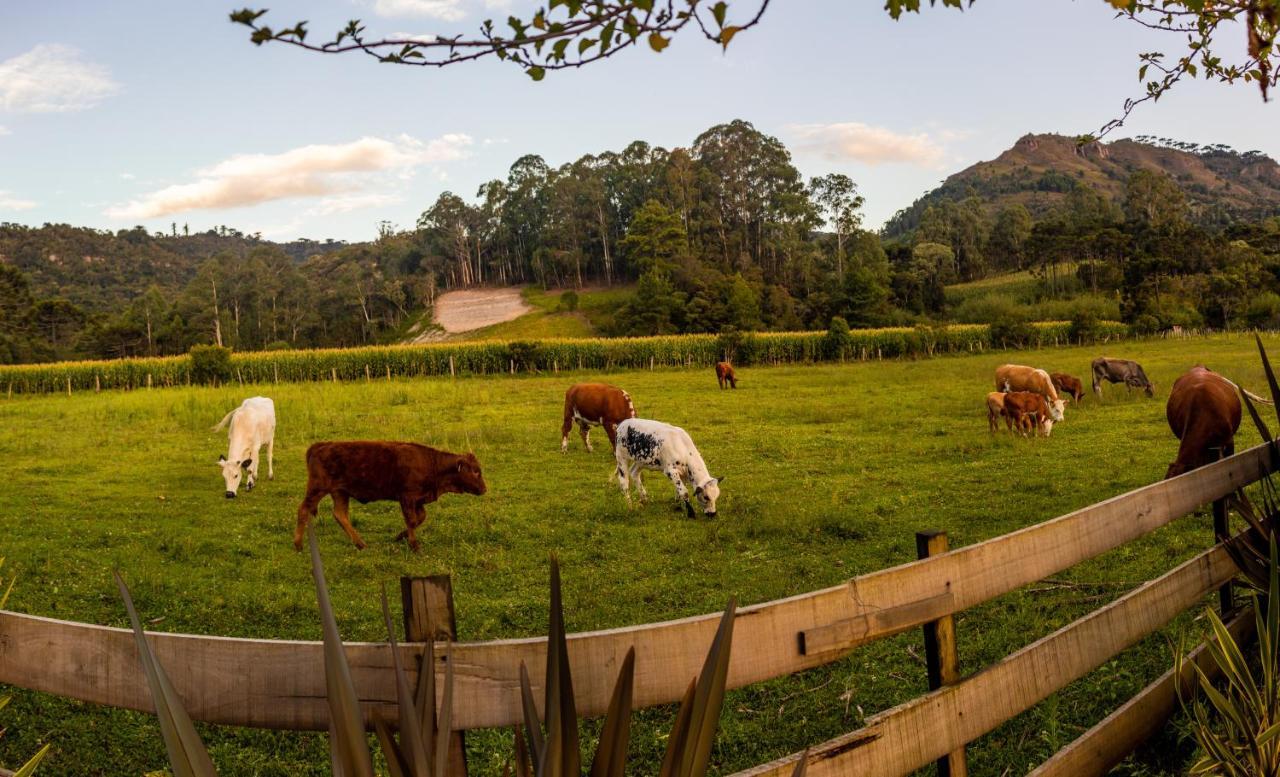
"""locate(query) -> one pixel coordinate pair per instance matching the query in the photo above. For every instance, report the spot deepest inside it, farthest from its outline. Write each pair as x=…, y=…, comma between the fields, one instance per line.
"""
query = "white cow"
x=253, y=425
x=644, y=444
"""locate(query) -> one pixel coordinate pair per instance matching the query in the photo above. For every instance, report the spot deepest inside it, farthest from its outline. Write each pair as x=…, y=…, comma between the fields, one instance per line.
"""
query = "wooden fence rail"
x=280, y=684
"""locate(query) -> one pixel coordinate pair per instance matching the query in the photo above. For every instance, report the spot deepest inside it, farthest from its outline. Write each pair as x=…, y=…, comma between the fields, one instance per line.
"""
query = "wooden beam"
x=1105, y=745
x=911, y=735
x=280, y=684
x=942, y=657
x=429, y=615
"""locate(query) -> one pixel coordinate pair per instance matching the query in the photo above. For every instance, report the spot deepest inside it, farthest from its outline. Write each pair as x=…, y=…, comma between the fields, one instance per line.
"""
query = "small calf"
x=725, y=375
x=645, y=444
x=995, y=409
x=1068, y=384
x=1028, y=410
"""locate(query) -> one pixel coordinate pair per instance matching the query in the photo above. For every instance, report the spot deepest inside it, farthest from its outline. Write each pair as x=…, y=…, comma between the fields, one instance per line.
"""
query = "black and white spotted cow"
x=644, y=444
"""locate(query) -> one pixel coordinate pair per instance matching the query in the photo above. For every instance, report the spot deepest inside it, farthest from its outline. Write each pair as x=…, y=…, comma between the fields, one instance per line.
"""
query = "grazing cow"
x=1028, y=410
x=1067, y=384
x=1016, y=377
x=725, y=375
x=403, y=472
x=253, y=425
x=1120, y=371
x=594, y=404
x=644, y=444
x=995, y=409
x=1204, y=413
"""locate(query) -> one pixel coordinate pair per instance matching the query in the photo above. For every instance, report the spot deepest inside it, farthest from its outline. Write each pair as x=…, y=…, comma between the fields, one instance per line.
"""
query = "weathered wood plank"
x=280, y=684
x=911, y=735
x=1105, y=745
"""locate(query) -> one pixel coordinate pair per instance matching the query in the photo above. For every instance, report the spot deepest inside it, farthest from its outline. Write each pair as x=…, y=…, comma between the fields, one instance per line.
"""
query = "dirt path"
x=462, y=311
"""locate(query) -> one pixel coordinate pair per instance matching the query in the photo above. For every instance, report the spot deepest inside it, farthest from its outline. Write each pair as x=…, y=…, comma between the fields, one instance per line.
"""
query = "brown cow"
x=1204, y=413
x=1027, y=410
x=1067, y=384
x=367, y=471
x=725, y=375
x=995, y=409
x=1017, y=377
x=595, y=404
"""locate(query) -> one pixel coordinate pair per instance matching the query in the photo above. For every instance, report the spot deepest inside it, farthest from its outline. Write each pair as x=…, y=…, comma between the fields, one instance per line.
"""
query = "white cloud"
x=308, y=171
x=854, y=141
x=9, y=202
x=444, y=10
x=417, y=37
x=127, y=176
x=52, y=78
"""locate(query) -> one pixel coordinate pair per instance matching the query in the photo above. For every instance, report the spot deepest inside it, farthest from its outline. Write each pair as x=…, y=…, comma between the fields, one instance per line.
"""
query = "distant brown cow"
x=595, y=404
x=1028, y=410
x=1204, y=413
x=366, y=471
x=1067, y=384
x=725, y=375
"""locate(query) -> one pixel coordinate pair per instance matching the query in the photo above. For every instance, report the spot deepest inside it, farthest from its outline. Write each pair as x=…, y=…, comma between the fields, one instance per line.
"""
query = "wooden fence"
x=280, y=684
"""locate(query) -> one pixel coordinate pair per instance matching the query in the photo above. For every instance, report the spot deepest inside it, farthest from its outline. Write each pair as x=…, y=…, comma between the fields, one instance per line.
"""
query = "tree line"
x=723, y=234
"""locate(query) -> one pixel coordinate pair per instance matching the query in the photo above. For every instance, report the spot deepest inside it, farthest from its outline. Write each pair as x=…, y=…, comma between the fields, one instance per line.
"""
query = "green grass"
x=1021, y=285
x=547, y=320
x=830, y=470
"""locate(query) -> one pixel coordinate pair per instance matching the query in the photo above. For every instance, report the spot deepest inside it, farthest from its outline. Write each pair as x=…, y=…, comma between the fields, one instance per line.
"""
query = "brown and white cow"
x=1017, y=377
x=374, y=471
x=594, y=404
x=725, y=375
x=1067, y=384
x=1028, y=410
x=1204, y=413
x=995, y=409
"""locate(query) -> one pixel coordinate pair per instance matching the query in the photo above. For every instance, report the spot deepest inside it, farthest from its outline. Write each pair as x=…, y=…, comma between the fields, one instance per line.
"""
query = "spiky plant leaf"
x=611, y=752
x=350, y=748
x=29, y=768
x=708, y=699
x=679, y=736
x=536, y=742
x=1271, y=376
x=562, y=756
x=411, y=749
x=187, y=756
x=396, y=765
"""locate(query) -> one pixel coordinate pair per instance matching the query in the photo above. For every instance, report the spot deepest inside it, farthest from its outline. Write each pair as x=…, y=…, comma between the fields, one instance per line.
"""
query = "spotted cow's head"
x=232, y=472
x=707, y=494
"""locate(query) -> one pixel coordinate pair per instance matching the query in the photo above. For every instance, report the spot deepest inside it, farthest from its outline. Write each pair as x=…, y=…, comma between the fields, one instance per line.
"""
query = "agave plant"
x=1251, y=549
x=30, y=766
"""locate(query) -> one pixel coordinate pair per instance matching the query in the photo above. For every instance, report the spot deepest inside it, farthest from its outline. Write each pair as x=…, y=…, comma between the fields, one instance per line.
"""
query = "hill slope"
x=1039, y=170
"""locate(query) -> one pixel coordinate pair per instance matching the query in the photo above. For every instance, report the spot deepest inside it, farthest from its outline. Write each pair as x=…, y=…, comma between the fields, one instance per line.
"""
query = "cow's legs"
x=271, y=457
x=624, y=482
x=306, y=511
x=414, y=516
x=611, y=431
x=637, y=474
x=340, y=514
x=682, y=493
x=564, y=430
x=584, y=429
x=253, y=468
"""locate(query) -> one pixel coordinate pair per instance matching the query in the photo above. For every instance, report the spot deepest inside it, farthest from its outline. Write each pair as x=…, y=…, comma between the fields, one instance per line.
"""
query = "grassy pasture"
x=829, y=472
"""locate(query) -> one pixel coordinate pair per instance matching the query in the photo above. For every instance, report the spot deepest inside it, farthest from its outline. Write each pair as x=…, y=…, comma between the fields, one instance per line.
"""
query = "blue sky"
x=154, y=111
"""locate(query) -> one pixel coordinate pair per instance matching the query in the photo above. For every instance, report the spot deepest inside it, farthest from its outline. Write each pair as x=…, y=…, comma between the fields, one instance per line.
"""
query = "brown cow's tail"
x=630, y=407
x=568, y=414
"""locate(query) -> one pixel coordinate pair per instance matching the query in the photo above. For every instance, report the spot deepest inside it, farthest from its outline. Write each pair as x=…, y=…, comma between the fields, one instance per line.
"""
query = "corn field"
x=496, y=357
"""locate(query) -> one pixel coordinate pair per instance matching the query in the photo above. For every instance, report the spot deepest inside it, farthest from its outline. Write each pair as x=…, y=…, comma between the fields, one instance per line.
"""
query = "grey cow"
x=1120, y=371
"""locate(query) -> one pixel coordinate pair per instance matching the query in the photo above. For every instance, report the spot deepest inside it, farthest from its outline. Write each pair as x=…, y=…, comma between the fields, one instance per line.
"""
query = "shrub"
x=1012, y=331
x=569, y=301
x=1264, y=311
x=210, y=364
x=1146, y=324
x=837, y=343
x=524, y=355
x=728, y=342
x=1085, y=328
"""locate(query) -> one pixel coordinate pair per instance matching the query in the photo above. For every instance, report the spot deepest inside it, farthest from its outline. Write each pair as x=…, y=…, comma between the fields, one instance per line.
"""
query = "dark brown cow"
x=1204, y=413
x=725, y=375
x=368, y=471
x=1067, y=384
x=1027, y=410
x=594, y=404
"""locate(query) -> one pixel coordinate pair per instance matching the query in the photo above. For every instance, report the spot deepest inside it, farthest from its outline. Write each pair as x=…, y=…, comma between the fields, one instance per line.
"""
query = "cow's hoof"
x=360, y=546
x=248, y=486
x=297, y=544
x=415, y=546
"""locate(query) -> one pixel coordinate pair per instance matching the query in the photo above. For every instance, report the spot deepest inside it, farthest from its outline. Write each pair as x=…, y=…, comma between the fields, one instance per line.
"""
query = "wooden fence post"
x=428, y=616
x=1220, y=533
x=941, y=657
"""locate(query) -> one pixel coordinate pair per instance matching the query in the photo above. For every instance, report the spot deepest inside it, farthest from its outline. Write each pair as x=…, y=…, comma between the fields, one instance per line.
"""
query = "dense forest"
x=724, y=233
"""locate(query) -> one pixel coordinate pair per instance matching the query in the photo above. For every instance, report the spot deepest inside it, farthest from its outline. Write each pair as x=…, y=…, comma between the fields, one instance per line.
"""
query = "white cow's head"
x=707, y=494
x=1055, y=409
x=232, y=472
x=1046, y=426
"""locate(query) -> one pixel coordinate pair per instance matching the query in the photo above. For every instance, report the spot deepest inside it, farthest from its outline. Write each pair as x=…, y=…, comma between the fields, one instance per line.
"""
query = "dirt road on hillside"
x=462, y=311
